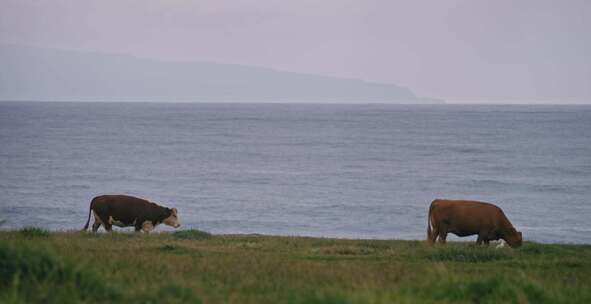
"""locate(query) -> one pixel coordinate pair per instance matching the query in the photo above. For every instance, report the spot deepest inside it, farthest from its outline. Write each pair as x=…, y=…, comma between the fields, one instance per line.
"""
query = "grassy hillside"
x=195, y=267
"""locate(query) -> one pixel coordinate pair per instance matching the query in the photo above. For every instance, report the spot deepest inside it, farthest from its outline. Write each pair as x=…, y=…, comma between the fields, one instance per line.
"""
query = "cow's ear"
x=174, y=211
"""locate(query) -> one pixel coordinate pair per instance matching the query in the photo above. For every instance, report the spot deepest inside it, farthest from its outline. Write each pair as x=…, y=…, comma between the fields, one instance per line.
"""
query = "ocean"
x=344, y=171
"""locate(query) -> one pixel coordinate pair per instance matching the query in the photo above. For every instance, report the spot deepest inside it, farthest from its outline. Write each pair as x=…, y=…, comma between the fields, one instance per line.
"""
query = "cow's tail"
x=88, y=220
x=430, y=236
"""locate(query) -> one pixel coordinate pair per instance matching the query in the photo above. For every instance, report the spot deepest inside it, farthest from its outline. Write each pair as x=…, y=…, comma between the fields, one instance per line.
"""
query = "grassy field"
x=194, y=267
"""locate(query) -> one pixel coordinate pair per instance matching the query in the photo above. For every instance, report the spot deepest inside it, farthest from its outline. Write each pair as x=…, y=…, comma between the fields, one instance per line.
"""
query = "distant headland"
x=42, y=74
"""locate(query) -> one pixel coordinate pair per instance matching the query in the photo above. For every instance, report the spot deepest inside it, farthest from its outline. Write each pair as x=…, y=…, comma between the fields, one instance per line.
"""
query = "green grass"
x=191, y=234
x=34, y=232
x=195, y=267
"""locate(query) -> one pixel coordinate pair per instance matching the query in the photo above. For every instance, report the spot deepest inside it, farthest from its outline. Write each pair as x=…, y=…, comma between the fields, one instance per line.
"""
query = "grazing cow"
x=464, y=218
x=127, y=211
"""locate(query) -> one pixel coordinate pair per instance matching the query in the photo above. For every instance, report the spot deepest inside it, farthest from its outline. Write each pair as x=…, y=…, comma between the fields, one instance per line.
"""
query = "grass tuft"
x=168, y=248
x=37, y=275
x=192, y=234
x=318, y=298
x=169, y=293
x=468, y=254
x=532, y=248
x=177, y=294
x=344, y=250
x=493, y=289
x=175, y=249
x=34, y=232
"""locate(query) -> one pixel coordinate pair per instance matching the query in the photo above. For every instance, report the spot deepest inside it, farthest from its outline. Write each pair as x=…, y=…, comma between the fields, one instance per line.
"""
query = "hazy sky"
x=458, y=50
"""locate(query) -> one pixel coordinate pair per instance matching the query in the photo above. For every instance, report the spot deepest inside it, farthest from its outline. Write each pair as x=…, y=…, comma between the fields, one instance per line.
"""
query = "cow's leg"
x=108, y=226
x=431, y=238
x=431, y=235
x=95, y=226
x=441, y=232
x=137, y=225
x=442, y=236
x=147, y=226
x=490, y=235
x=482, y=237
x=434, y=235
x=97, y=222
x=431, y=231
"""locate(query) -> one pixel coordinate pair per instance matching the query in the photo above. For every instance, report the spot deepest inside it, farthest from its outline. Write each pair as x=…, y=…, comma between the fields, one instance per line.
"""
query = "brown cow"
x=464, y=218
x=126, y=211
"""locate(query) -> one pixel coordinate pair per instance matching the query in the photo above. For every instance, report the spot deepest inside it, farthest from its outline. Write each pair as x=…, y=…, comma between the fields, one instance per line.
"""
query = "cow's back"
x=464, y=217
x=122, y=207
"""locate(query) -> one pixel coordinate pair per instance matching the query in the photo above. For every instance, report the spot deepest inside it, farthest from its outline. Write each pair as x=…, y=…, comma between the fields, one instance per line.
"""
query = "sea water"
x=347, y=171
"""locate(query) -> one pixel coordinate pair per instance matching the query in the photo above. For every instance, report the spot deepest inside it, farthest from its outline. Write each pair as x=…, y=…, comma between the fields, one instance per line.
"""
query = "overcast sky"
x=458, y=50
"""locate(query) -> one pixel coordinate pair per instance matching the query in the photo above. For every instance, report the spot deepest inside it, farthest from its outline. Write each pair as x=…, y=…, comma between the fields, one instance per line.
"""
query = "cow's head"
x=172, y=219
x=513, y=238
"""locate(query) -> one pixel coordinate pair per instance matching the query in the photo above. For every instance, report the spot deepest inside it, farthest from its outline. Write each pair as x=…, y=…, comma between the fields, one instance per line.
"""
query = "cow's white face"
x=173, y=219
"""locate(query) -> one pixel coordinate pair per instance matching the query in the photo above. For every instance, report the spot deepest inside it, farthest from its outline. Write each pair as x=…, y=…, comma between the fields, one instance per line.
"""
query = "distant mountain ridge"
x=29, y=73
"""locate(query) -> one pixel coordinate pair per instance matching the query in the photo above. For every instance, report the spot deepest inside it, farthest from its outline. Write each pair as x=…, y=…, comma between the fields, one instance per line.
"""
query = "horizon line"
x=443, y=103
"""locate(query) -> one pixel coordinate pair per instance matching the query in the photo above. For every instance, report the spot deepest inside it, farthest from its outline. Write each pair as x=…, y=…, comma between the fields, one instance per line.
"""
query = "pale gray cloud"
x=496, y=51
